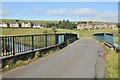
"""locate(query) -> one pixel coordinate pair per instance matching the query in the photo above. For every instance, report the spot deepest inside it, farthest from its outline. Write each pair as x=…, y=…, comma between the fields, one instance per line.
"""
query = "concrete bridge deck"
x=80, y=59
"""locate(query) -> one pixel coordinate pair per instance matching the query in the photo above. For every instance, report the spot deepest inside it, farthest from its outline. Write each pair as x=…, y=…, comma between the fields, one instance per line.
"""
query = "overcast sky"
x=74, y=11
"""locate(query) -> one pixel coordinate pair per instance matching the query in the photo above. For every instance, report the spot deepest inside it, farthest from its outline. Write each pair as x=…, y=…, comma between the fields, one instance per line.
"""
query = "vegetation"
x=111, y=57
x=88, y=34
x=37, y=54
x=31, y=31
x=33, y=21
x=111, y=67
x=63, y=25
x=11, y=64
x=111, y=64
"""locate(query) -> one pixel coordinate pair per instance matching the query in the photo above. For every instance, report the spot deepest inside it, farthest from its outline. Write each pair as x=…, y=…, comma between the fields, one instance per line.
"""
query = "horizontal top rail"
x=37, y=35
x=11, y=45
x=103, y=34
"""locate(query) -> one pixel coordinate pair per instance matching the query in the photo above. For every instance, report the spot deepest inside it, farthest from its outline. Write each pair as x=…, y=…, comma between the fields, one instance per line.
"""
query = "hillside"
x=33, y=21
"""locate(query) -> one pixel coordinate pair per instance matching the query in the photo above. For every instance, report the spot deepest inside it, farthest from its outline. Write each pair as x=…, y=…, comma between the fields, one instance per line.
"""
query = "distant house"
x=15, y=24
x=112, y=25
x=26, y=24
x=100, y=26
x=80, y=26
x=89, y=26
x=3, y=24
x=38, y=26
x=84, y=26
x=103, y=25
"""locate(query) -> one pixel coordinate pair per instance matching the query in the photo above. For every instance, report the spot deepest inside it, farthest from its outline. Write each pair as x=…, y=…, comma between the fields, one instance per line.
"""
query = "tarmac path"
x=81, y=59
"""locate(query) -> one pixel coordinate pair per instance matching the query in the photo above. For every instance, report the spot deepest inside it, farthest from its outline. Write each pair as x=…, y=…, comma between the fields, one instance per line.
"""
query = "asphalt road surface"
x=81, y=59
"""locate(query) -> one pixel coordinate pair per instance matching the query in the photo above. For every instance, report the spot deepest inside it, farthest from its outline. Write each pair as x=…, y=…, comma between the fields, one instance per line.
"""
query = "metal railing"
x=11, y=45
x=104, y=37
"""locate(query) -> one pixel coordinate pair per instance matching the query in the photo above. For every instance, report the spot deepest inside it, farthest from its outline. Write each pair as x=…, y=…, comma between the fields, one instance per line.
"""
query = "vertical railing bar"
x=3, y=45
x=8, y=47
x=13, y=46
x=0, y=47
x=20, y=45
x=46, y=40
x=32, y=43
x=29, y=42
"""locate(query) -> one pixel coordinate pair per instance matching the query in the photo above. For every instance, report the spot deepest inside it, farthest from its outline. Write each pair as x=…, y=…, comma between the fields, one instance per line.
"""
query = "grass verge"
x=111, y=67
x=21, y=63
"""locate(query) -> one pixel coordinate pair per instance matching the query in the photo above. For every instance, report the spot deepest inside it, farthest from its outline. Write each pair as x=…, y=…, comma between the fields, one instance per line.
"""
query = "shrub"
x=9, y=62
x=19, y=61
x=37, y=54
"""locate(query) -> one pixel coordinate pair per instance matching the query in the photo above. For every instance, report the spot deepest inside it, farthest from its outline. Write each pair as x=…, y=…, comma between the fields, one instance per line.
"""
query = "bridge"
x=84, y=58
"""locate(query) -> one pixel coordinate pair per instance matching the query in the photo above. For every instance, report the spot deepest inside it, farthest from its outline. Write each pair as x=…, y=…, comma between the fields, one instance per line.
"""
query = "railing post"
x=112, y=39
x=56, y=39
x=46, y=40
x=13, y=46
x=32, y=43
x=65, y=37
x=0, y=47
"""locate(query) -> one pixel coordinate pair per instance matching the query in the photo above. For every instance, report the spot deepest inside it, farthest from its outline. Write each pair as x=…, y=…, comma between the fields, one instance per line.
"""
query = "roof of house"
x=26, y=22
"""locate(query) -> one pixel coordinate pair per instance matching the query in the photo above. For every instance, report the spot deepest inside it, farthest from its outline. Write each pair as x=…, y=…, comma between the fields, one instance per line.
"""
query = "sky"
x=56, y=11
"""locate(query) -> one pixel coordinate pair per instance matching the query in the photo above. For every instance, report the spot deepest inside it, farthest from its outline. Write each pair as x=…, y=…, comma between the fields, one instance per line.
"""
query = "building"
x=3, y=24
x=15, y=24
x=112, y=25
x=38, y=26
x=100, y=26
x=89, y=26
x=26, y=24
x=80, y=26
x=84, y=26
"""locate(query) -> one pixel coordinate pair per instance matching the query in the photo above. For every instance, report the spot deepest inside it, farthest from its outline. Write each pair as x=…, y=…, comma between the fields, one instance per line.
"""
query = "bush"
x=19, y=61
x=37, y=54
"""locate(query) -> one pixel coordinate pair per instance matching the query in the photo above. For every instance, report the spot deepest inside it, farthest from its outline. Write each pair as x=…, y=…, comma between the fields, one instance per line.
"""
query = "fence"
x=104, y=37
x=10, y=45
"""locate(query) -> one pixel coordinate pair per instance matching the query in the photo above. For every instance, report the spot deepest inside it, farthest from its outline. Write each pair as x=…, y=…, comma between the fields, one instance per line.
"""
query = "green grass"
x=111, y=57
x=111, y=63
x=111, y=67
x=88, y=34
x=21, y=63
x=30, y=31
x=33, y=21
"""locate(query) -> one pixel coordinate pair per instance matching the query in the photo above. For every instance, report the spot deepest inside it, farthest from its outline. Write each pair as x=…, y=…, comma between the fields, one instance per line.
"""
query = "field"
x=30, y=31
x=33, y=21
x=111, y=57
x=88, y=34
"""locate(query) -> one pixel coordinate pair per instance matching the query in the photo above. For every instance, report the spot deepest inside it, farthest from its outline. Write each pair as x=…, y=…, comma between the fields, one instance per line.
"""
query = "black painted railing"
x=11, y=45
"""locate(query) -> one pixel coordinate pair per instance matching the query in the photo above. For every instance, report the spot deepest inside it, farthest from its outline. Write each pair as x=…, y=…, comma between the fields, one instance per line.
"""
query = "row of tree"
x=62, y=25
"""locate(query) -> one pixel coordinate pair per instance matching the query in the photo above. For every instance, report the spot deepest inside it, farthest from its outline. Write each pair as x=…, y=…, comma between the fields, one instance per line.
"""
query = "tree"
x=83, y=22
x=49, y=25
x=78, y=23
x=90, y=22
x=60, y=22
x=118, y=25
x=63, y=20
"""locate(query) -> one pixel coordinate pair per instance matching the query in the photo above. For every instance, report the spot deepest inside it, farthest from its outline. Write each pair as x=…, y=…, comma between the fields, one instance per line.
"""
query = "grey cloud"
x=92, y=14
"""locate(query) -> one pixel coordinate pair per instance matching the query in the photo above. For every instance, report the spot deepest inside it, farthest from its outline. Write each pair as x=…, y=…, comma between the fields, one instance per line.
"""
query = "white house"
x=38, y=26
